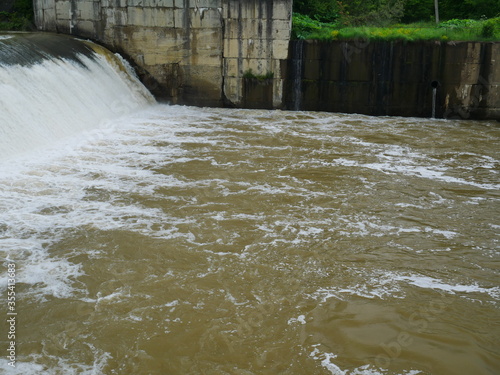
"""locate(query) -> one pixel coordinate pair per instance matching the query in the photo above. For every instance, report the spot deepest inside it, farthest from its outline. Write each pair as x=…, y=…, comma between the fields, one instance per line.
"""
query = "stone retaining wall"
x=188, y=51
x=395, y=78
x=238, y=53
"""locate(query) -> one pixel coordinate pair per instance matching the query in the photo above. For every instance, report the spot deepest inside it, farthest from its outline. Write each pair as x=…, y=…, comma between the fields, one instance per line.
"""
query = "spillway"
x=54, y=86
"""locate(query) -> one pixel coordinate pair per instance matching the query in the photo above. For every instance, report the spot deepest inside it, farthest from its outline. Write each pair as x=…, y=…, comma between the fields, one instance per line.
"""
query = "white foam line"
x=431, y=283
x=35, y=366
x=327, y=361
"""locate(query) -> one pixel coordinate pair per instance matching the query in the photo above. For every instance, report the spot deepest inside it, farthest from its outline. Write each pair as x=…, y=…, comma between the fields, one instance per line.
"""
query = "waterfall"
x=298, y=52
x=52, y=87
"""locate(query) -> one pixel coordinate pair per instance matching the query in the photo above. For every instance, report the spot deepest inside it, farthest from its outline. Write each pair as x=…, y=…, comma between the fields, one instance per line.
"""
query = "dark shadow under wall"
x=257, y=93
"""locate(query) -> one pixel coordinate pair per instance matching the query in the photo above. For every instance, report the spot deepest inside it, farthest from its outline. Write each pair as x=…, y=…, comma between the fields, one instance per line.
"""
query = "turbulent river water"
x=182, y=240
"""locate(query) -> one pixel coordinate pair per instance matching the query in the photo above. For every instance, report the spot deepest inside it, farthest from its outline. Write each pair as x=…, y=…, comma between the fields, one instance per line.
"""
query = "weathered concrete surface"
x=395, y=78
x=200, y=51
x=188, y=51
x=256, y=39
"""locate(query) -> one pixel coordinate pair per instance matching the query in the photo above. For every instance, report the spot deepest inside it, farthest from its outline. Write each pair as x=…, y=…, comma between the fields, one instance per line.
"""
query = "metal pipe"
x=436, y=10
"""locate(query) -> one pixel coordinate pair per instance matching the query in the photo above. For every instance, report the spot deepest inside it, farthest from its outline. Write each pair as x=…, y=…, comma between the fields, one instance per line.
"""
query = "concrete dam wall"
x=188, y=51
x=239, y=53
x=458, y=79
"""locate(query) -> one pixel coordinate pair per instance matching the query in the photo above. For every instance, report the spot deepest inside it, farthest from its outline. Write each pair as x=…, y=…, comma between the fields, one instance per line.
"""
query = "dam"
x=140, y=237
x=189, y=51
x=239, y=54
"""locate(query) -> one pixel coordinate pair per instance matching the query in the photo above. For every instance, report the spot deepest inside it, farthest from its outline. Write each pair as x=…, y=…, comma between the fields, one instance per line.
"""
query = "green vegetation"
x=261, y=77
x=19, y=18
x=419, y=10
x=396, y=20
x=306, y=28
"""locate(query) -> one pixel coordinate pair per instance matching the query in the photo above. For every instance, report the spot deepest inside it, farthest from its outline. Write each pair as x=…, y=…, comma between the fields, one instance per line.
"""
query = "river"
x=183, y=240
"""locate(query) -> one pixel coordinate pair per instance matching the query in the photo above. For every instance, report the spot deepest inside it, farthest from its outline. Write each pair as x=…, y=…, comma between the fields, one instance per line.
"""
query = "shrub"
x=488, y=30
x=319, y=10
x=490, y=27
x=458, y=23
x=20, y=18
x=261, y=77
x=387, y=13
x=304, y=26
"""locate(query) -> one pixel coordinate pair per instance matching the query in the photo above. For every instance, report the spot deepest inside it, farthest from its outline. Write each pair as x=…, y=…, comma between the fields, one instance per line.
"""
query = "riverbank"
x=305, y=28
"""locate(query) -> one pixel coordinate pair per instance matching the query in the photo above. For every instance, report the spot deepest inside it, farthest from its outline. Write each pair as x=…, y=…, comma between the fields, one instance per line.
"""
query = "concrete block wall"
x=188, y=51
x=395, y=78
x=256, y=42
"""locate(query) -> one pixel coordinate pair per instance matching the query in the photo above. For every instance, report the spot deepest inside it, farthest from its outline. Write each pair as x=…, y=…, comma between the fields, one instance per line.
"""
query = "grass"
x=13, y=22
x=251, y=75
x=466, y=30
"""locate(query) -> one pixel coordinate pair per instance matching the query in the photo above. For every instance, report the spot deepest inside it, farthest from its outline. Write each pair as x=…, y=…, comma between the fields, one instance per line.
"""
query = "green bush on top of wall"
x=455, y=29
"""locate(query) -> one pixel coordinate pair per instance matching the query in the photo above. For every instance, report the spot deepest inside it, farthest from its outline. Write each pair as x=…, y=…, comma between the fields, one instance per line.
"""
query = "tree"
x=320, y=10
x=386, y=11
x=354, y=12
x=436, y=10
x=422, y=10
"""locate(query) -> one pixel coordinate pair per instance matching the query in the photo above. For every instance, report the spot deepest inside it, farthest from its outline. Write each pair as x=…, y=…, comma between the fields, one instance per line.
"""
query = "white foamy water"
x=181, y=213
x=56, y=98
